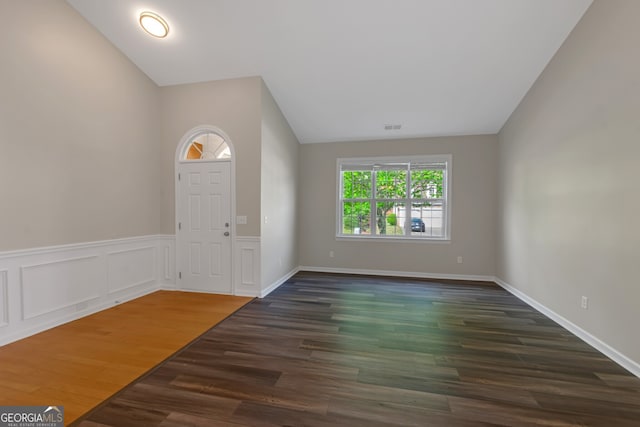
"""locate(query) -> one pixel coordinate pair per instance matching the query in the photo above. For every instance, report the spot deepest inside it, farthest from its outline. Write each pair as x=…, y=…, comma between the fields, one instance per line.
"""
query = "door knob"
x=226, y=233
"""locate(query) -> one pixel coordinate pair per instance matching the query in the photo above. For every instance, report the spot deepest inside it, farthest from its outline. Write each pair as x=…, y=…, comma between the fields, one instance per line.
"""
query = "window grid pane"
x=390, y=218
x=208, y=146
x=427, y=183
x=356, y=217
x=356, y=185
x=391, y=184
x=427, y=219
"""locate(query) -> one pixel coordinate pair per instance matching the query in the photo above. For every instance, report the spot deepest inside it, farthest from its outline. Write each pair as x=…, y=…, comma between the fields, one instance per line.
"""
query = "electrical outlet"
x=459, y=260
x=584, y=302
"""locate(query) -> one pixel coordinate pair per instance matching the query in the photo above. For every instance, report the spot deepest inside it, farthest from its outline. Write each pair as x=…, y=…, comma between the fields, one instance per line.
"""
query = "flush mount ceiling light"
x=153, y=24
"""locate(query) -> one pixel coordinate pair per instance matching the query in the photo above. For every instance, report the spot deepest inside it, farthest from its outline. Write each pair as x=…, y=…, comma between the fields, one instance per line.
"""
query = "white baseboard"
x=275, y=285
x=607, y=350
x=392, y=273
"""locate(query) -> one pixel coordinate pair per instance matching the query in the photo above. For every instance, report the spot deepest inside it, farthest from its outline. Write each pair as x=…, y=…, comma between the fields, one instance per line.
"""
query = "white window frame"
x=382, y=161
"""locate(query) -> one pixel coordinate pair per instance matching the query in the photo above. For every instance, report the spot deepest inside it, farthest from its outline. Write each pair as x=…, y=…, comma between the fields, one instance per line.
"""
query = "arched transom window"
x=207, y=146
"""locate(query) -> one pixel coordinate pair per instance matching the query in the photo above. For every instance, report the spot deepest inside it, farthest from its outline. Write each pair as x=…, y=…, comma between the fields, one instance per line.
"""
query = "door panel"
x=204, y=214
x=194, y=211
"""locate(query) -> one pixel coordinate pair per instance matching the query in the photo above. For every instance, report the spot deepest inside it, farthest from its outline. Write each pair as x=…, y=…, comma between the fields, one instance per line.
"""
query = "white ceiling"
x=343, y=69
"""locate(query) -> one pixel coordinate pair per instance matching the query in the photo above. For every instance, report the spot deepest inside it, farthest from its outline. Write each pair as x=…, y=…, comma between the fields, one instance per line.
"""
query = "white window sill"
x=367, y=238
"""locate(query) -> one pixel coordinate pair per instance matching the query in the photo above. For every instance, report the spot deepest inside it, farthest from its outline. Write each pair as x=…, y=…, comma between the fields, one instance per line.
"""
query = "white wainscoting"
x=4, y=300
x=45, y=287
x=129, y=268
x=247, y=266
x=51, y=286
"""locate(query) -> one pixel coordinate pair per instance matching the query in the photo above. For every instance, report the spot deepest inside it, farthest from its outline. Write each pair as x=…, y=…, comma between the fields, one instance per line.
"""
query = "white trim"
x=4, y=299
x=85, y=245
x=275, y=285
x=167, y=261
x=151, y=279
x=24, y=286
x=606, y=349
x=249, y=239
x=247, y=266
x=378, y=238
x=197, y=131
x=392, y=273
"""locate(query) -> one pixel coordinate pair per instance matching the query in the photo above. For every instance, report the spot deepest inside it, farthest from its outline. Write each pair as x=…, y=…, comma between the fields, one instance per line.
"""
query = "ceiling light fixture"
x=153, y=24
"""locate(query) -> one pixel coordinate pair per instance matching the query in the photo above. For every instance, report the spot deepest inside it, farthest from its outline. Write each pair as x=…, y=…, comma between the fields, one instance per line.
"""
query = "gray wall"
x=79, y=157
x=570, y=194
x=279, y=184
x=234, y=107
x=473, y=214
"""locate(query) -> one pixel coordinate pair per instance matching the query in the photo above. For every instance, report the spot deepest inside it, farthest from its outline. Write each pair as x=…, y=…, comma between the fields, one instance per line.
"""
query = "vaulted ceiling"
x=345, y=69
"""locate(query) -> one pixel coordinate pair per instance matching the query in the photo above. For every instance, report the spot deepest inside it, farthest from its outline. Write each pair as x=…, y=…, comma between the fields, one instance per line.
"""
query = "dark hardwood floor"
x=339, y=350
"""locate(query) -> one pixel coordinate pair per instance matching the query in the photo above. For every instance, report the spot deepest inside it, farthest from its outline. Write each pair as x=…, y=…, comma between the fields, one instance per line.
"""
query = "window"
x=399, y=197
x=207, y=146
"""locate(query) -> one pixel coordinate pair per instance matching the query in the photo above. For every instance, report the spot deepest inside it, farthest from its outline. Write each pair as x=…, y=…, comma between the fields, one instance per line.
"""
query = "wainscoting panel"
x=247, y=262
x=51, y=286
x=247, y=266
x=4, y=300
x=167, y=260
x=130, y=268
x=44, y=287
x=166, y=264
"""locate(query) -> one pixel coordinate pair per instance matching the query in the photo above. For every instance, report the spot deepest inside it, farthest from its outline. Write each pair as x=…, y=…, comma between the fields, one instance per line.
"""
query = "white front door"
x=204, y=227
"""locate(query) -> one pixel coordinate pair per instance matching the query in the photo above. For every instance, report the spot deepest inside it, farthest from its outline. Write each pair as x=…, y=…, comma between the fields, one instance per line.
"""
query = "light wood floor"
x=82, y=363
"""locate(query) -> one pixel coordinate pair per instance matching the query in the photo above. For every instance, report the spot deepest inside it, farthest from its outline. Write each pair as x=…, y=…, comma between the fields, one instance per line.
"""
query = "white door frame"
x=180, y=153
